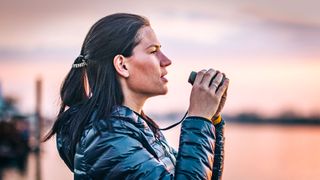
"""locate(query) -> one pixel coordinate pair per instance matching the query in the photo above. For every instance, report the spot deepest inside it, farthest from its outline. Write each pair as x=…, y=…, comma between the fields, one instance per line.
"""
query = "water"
x=253, y=152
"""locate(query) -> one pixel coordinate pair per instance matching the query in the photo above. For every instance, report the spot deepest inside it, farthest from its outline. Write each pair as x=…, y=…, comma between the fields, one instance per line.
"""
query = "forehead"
x=147, y=37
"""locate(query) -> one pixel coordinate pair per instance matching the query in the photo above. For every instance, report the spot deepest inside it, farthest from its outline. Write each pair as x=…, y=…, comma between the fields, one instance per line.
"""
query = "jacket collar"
x=125, y=112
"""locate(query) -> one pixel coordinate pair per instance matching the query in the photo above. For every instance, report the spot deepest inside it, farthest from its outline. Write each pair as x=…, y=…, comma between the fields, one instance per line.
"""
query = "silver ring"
x=215, y=85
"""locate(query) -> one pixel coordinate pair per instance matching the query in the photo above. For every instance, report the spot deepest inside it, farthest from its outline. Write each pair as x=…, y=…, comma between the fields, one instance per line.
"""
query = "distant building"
x=14, y=134
x=1, y=101
x=7, y=108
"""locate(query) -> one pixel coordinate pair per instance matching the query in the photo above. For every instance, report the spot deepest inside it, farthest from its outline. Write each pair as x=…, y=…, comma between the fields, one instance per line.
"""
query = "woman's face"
x=147, y=66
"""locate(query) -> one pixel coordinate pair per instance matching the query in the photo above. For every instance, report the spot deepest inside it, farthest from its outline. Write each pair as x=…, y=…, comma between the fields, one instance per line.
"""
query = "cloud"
x=36, y=54
x=230, y=28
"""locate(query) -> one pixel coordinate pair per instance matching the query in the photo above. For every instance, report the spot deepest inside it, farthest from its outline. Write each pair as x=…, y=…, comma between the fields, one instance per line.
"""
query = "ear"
x=119, y=62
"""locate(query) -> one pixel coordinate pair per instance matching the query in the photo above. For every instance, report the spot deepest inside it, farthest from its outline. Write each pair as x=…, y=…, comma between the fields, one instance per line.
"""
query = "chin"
x=165, y=91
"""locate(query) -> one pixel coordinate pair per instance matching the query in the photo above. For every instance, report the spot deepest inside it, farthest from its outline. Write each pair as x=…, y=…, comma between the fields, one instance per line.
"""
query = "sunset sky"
x=269, y=49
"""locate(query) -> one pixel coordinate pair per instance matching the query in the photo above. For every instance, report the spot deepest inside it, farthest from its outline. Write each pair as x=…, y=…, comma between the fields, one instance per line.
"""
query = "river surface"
x=252, y=152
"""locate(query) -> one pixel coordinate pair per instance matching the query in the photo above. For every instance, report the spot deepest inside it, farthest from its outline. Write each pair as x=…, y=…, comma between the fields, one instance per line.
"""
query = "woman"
x=102, y=132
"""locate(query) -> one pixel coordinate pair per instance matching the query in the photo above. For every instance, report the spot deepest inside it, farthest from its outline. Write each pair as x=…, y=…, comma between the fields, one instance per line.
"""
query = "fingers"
x=222, y=90
x=207, y=77
x=199, y=77
x=210, y=78
x=216, y=81
x=225, y=94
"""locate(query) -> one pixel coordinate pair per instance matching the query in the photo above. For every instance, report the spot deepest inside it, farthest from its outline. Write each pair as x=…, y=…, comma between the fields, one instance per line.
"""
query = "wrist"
x=200, y=115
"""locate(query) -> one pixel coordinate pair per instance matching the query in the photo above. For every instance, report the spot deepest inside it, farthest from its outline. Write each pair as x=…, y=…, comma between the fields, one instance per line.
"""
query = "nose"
x=164, y=61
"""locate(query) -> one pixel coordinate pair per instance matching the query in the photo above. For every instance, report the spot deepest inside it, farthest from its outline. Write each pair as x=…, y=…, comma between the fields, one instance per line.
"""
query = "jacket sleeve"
x=196, y=149
x=117, y=155
x=219, y=151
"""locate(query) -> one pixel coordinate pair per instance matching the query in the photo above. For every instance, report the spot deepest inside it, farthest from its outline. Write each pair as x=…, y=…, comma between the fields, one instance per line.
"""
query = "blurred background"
x=269, y=49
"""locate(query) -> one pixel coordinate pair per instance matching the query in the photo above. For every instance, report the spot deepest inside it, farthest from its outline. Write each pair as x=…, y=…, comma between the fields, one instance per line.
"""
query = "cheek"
x=144, y=75
x=146, y=68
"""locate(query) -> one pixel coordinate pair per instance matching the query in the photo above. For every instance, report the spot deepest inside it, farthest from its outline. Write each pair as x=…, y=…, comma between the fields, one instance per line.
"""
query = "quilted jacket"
x=132, y=151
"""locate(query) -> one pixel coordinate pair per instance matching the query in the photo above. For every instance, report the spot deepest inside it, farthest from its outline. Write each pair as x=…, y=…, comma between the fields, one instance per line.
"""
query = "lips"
x=164, y=73
x=163, y=78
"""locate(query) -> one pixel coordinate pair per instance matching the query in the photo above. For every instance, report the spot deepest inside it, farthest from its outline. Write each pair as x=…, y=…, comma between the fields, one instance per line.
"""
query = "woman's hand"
x=205, y=100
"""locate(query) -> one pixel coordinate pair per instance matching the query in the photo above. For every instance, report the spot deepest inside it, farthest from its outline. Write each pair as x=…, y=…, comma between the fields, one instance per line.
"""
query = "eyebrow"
x=154, y=45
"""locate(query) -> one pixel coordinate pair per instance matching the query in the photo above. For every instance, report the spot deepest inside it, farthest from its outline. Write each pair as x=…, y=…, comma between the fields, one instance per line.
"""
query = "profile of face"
x=144, y=72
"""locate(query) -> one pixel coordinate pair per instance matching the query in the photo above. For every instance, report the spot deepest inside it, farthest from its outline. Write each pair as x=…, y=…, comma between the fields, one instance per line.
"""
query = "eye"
x=153, y=52
x=154, y=49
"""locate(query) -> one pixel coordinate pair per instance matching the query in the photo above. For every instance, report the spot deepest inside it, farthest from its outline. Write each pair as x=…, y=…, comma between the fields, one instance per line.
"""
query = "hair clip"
x=80, y=65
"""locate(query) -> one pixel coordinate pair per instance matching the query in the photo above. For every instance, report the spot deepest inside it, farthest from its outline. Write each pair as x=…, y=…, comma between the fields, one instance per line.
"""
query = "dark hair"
x=112, y=35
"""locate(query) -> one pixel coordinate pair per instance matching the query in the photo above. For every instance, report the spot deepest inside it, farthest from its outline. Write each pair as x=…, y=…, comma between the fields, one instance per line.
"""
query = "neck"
x=132, y=99
x=134, y=102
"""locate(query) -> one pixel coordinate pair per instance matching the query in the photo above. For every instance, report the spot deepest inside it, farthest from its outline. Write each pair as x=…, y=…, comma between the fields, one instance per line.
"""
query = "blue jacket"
x=131, y=150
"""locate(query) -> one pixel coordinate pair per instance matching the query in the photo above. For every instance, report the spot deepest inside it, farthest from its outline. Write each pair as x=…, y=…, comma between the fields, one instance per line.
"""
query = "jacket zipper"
x=167, y=154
